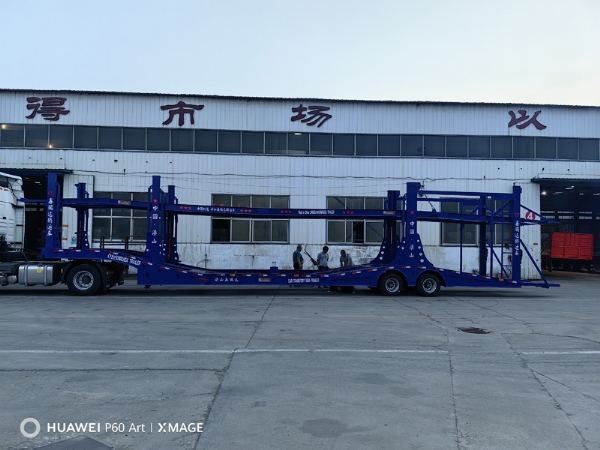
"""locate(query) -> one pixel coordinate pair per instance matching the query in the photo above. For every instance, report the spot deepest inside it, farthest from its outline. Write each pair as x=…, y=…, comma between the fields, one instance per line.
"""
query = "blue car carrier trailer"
x=401, y=261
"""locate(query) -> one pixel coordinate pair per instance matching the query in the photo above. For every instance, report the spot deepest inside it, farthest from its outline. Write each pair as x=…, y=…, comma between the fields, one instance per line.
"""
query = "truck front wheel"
x=84, y=279
x=391, y=284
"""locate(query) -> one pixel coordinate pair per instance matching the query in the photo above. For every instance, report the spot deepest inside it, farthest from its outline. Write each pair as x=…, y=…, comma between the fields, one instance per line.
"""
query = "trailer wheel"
x=428, y=285
x=391, y=284
x=84, y=279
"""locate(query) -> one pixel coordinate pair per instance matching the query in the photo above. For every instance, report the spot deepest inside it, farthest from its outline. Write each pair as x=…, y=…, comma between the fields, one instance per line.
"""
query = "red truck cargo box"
x=578, y=246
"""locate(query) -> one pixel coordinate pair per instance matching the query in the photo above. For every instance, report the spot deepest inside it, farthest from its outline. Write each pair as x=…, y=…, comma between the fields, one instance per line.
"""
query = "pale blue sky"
x=526, y=51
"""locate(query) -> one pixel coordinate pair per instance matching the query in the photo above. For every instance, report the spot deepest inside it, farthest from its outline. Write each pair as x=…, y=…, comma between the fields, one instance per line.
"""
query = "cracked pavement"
x=304, y=368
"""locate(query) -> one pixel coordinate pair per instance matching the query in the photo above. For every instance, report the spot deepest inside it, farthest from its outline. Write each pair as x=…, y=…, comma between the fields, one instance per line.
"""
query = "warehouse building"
x=297, y=153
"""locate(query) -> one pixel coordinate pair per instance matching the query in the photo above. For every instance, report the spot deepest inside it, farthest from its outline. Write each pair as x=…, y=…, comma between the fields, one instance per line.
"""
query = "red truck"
x=569, y=251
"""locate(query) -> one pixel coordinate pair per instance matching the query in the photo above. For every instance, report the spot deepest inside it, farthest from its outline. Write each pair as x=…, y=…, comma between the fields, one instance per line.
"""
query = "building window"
x=275, y=143
x=61, y=136
x=134, y=139
x=36, y=136
x=250, y=230
x=182, y=140
x=229, y=142
x=321, y=144
x=120, y=224
x=588, y=149
x=359, y=231
x=366, y=145
x=412, y=145
x=12, y=135
x=470, y=232
x=456, y=146
x=206, y=141
x=297, y=143
x=343, y=144
x=86, y=137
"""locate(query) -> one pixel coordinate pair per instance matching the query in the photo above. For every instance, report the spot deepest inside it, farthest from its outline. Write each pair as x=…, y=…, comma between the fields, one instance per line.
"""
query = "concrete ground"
x=299, y=368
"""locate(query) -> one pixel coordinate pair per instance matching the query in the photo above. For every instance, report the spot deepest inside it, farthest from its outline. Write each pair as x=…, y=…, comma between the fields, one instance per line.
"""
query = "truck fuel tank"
x=39, y=273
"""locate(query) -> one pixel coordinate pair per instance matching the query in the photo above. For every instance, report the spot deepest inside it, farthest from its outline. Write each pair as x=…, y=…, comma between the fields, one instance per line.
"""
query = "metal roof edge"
x=303, y=99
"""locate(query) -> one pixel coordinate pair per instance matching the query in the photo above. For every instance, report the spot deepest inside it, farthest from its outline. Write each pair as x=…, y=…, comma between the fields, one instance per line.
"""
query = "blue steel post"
x=53, y=213
x=482, y=236
x=412, y=248
x=82, y=218
x=154, y=238
x=171, y=228
x=516, y=247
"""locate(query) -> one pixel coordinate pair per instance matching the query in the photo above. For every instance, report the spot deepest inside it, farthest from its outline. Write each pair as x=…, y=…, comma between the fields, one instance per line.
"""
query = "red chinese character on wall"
x=51, y=108
x=316, y=115
x=517, y=120
x=180, y=110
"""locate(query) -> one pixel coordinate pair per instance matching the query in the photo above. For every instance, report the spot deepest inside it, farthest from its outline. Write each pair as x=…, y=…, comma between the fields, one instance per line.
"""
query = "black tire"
x=391, y=284
x=84, y=279
x=428, y=285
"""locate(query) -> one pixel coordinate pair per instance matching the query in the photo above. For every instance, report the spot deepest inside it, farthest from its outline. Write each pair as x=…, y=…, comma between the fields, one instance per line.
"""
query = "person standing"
x=298, y=259
x=323, y=259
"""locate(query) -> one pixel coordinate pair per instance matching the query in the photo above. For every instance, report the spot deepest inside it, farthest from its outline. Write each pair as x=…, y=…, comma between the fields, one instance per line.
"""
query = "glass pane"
x=388, y=145
x=139, y=229
x=275, y=143
x=252, y=142
x=434, y=145
x=12, y=135
x=182, y=140
x=61, y=136
x=374, y=231
x=240, y=230
x=229, y=141
x=280, y=202
x=206, y=141
x=343, y=144
x=320, y=144
x=336, y=231
x=240, y=201
x=279, y=230
x=221, y=200
x=374, y=203
x=85, y=137
x=479, y=147
x=109, y=138
x=262, y=230
x=336, y=202
x=366, y=145
x=158, y=139
x=456, y=146
x=220, y=230
x=121, y=195
x=134, y=139
x=502, y=147
x=36, y=136
x=567, y=149
x=356, y=230
x=355, y=203
x=588, y=149
x=450, y=233
x=101, y=228
x=121, y=212
x=545, y=148
x=522, y=147
x=140, y=196
x=261, y=201
x=120, y=228
x=412, y=145
x=297, y=143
